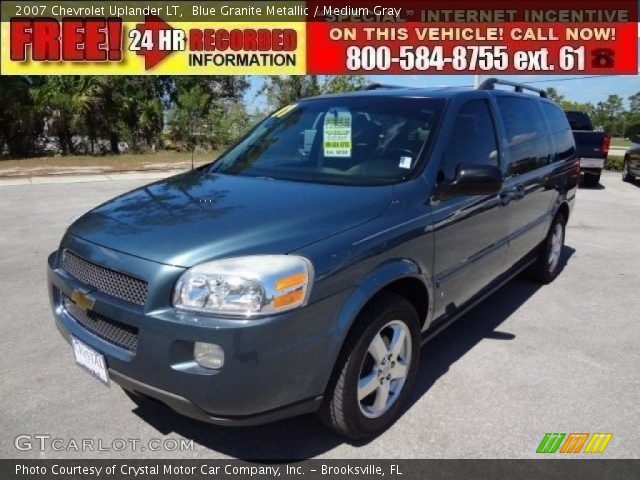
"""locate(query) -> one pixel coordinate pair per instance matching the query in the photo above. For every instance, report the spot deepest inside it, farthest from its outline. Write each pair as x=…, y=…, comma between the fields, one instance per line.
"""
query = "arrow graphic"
x=153, y=55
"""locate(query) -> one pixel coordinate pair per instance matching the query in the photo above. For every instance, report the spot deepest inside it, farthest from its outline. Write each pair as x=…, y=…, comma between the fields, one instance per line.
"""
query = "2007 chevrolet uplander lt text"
x=304, y=268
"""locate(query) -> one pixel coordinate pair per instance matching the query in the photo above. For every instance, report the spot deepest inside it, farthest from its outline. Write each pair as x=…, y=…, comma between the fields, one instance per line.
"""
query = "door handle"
x=518, y=192
x=504, y=198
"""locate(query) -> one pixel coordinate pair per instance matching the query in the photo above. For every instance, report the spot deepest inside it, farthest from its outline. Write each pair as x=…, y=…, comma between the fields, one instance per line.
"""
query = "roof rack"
x=377, y=86
x=489, y=84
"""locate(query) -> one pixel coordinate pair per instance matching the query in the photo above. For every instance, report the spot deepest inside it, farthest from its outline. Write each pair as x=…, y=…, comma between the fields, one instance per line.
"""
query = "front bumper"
x=274, y=367
x=189, y=409
x=592, y=163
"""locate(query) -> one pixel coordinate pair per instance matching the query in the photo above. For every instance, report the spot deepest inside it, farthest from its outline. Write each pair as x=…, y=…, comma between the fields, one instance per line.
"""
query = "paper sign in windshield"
x=337, y=134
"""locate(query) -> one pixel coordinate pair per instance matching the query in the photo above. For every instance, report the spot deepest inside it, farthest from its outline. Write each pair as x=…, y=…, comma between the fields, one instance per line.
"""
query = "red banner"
x=456, y=37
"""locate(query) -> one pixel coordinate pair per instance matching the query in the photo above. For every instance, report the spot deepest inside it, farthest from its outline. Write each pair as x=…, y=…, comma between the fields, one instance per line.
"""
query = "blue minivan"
x=303, y=269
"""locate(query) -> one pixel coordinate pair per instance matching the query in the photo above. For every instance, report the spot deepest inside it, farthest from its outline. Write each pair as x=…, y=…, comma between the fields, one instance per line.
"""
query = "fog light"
x=208, y=355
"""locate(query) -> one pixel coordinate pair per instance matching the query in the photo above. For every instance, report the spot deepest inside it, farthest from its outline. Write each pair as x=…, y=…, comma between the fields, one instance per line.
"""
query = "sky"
x=571, y=86
x=577, y=89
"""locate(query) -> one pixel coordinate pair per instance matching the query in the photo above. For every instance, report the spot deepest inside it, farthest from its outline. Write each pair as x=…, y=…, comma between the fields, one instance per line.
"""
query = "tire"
x=367, y=416
x=544, y=269
x=592, y=180
x=626, y=175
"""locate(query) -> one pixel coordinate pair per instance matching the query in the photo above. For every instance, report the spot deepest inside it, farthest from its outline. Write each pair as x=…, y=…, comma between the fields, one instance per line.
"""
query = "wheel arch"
x=401, y=276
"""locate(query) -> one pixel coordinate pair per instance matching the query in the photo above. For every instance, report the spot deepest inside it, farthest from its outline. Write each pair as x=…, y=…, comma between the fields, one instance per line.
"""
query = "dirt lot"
x=86, y=165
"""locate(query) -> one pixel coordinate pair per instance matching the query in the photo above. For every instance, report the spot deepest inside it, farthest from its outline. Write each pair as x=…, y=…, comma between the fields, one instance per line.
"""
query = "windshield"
x=344, y=140
x=579, y=121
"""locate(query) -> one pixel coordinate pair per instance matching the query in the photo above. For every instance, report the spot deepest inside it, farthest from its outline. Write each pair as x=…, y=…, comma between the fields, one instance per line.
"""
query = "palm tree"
x=20, y=119
x=68, y=100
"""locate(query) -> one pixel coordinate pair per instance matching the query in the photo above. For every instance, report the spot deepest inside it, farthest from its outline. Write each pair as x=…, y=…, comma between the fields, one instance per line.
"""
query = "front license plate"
x=90, y=360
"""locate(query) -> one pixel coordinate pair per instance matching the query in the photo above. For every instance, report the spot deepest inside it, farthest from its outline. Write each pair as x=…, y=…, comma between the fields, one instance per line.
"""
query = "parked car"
x=631, y=166
x=592, y=146
x=303, y=270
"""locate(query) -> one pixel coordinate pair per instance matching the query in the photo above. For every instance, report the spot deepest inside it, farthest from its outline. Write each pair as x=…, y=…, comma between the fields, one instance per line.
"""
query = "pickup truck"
x=592, y=147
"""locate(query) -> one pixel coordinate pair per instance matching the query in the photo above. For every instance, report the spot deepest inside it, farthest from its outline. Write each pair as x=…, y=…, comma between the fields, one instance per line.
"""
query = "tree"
x=226, y=122
x=230, y=87
x=21, y=121
x=67, y=101
x=614, y=106
x=343, y=83
x=282, y=90
x=130, y=108
x=186, y=119
x=634, y=103
x=150, y=123
x=633, y=129
x=553, y=94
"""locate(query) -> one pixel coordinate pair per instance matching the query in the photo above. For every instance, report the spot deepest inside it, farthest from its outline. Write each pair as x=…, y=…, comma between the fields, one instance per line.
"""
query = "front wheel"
x=548, y=264
x=376, y=369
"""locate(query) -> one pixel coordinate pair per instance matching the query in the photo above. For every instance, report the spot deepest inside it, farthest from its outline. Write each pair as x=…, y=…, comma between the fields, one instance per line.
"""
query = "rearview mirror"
x=472, y=180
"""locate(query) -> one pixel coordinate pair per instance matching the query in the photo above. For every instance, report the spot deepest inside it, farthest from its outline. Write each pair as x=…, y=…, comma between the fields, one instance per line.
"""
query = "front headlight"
x=245, y=286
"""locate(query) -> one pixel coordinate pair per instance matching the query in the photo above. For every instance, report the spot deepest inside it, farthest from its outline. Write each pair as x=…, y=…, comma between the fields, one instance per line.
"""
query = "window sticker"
x=284, y=110
x=405, y=162
x=337, y=134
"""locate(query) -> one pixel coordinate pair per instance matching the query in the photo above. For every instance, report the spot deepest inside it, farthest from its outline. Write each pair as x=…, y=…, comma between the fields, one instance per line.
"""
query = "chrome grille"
x=116, y=333
x=116, y=284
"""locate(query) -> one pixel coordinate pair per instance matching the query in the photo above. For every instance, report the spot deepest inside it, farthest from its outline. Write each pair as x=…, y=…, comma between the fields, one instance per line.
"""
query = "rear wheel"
x=548, y=264
x=376, y=369
x=626, y=175
x=592, y=179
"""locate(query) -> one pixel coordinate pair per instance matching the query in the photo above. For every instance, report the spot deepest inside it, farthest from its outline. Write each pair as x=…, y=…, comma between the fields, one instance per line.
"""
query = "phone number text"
x=463, y=58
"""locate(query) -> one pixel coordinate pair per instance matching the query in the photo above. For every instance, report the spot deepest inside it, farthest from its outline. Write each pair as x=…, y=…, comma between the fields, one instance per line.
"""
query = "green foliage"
x=150, y=124
x=96, y=114
x=187, y=118
x=634, y=103
x=93, y=114
x=68, y=101
x=21, y=121
x=633, y=129
x=553, y=94
x=608, y=115
x=613, y=162
x=343, y=83
x=282, y=90
x=226, y=122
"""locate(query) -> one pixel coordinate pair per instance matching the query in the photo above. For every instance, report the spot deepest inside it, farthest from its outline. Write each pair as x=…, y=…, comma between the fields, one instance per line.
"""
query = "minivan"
x=304, y=268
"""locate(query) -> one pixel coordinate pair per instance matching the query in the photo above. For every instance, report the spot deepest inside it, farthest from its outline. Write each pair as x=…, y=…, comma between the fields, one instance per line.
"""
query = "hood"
x=196, y=217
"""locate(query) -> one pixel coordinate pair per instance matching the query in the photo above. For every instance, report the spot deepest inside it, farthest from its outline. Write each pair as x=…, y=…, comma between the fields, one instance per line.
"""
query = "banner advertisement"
x=319, y=239
x=337, y=37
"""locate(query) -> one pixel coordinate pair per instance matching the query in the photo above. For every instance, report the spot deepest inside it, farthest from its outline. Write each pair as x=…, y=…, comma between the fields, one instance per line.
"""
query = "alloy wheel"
x=384, y=369
x=556, y=247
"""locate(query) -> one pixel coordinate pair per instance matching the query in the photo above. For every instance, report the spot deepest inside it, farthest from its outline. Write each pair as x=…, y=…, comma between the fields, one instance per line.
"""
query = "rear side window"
x=560, y=131
x=526, y=135
x=579, y=121
x=473, y=140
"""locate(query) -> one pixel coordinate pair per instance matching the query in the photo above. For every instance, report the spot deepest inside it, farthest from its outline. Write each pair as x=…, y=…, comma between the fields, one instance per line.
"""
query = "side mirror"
x=473, y=180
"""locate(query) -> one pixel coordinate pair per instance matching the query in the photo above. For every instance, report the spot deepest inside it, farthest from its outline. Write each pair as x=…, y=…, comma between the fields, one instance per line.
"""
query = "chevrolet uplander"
x=303, y=269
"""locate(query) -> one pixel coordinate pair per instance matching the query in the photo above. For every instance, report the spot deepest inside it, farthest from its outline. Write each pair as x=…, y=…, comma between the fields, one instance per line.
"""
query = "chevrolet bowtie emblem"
x=82, y=300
